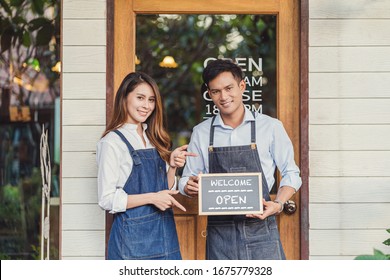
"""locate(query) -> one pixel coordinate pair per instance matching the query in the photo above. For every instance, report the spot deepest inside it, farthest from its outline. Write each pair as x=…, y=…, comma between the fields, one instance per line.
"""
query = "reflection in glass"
x=191, y=41
x=29, y=98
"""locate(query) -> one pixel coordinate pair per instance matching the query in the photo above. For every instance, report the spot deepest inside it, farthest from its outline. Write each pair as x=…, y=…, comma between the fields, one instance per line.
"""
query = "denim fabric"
x=144, y=232
x=237, y=237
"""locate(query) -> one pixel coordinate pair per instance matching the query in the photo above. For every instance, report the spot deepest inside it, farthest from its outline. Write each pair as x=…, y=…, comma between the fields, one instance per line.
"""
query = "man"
x=238, y=140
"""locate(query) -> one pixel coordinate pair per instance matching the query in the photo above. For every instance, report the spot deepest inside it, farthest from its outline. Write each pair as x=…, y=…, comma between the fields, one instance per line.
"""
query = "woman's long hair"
x=156, y=132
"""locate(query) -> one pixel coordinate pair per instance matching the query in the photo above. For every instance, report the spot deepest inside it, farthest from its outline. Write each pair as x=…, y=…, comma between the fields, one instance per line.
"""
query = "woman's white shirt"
x=115, y=165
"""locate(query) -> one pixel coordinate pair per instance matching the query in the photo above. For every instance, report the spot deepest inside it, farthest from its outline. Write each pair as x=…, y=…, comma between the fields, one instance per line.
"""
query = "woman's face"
x=140, y=104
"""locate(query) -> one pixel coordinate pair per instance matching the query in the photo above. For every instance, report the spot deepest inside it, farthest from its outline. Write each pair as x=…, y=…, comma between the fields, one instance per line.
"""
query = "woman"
x=136, y=174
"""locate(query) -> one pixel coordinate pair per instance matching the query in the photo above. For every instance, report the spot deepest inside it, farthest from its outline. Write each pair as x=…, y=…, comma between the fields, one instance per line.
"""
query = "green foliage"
x=10, y=208
x=30, y=47
x=29, y=30
x=20, y=212
x=387, y=241
x=378, y=255
x=23, y=22
x=36, y=252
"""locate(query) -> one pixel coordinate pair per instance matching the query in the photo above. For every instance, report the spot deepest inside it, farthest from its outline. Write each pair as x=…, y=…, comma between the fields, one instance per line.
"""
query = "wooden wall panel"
x=354, y=32
x=81, y=138
x=83, y=112
x=78, y=59
x=349, y=137
x=347, y=242
x=187, y=226
x=83, y=243
x=83, y=121
x=349, y=190
x=84, y=9
x=349, y=9
x=84, y=86
x=349, y=122
x=349, y=163
x=89, y=258
x=84, y=32
x=79, y=165
x=349, y=59
x=349, y=111
x=79, y=191
x=82, y=217
x=202, y=6
x=349, y=85
x=349, y=215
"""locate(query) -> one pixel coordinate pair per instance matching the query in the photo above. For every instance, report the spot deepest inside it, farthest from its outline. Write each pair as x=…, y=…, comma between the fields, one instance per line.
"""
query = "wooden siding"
x=349, y=9
x=356, y=32
x=349, y=127
x=349, y=190
x=83, y=121
x=76, y=87
x=335, y=242
x=84, y=9
x=349, y=84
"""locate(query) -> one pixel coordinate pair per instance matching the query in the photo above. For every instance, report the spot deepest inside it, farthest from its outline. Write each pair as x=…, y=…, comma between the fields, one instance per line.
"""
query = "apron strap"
x=211, y=141
x=253, y=132
x=133, y=152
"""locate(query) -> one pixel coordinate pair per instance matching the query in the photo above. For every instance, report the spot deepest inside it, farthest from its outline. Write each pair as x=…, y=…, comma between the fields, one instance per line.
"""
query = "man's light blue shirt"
x=273, y=144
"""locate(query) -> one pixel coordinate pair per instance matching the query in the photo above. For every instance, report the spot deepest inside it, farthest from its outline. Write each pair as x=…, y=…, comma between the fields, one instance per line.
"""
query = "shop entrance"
x=173, y=40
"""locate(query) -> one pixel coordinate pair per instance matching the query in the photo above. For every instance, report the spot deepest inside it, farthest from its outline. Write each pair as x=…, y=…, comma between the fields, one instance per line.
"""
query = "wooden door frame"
x=119, y=63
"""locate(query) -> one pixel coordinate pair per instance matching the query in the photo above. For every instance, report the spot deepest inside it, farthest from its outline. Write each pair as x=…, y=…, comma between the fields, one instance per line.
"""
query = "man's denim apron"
x=237, y=237
x=144, y=232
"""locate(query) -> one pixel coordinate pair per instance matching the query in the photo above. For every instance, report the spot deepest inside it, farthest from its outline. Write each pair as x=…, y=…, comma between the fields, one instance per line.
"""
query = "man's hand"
x=270, y=208
x=192, y=187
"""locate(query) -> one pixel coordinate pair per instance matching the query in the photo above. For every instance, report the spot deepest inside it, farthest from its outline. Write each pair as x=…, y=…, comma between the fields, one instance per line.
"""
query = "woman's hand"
x=178, y=156
x=164, y=200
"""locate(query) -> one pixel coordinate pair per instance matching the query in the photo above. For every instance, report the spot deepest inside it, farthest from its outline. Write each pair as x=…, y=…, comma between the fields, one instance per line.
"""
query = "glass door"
x=173, y=41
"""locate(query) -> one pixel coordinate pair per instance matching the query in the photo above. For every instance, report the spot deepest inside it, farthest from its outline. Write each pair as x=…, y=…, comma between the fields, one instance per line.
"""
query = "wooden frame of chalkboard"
x=230, y=194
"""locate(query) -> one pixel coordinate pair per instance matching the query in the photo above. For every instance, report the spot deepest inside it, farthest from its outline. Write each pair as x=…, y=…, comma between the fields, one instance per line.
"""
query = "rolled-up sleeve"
x=283, y=154
x=111, y=196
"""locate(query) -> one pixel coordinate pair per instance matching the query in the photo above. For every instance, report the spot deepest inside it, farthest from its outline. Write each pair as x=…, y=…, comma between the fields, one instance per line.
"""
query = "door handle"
x=290, y=207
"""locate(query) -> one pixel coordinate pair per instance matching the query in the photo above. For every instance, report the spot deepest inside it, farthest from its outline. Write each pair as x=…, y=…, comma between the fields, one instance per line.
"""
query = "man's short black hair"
x=218, y=66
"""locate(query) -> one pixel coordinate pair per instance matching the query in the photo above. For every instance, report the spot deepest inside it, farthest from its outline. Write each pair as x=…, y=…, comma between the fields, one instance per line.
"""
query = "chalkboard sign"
x=230, y=194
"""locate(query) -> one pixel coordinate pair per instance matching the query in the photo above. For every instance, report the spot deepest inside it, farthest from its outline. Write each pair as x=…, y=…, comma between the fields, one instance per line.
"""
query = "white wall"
x=83, y=121
x=349, y=127
x=349, y=89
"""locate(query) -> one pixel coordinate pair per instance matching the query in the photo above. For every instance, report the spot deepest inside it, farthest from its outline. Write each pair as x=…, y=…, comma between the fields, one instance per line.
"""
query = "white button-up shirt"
x=115, y=165
x=273, y=145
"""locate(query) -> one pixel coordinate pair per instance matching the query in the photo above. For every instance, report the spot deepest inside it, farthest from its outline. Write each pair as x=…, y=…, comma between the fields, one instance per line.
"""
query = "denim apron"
x=144, y=232
x=238, y=237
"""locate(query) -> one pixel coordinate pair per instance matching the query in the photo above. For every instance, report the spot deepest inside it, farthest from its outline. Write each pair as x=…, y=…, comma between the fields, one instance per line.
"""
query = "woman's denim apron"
x=238, y=237
x=144, y=232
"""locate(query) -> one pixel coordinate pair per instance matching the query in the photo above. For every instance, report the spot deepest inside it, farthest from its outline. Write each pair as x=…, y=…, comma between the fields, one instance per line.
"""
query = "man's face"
x=226, y=93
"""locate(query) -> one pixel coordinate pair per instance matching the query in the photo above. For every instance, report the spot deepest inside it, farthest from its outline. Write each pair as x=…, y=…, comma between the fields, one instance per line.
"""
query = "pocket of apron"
x=264, y=250
x=255, y=228
x=143, y=237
